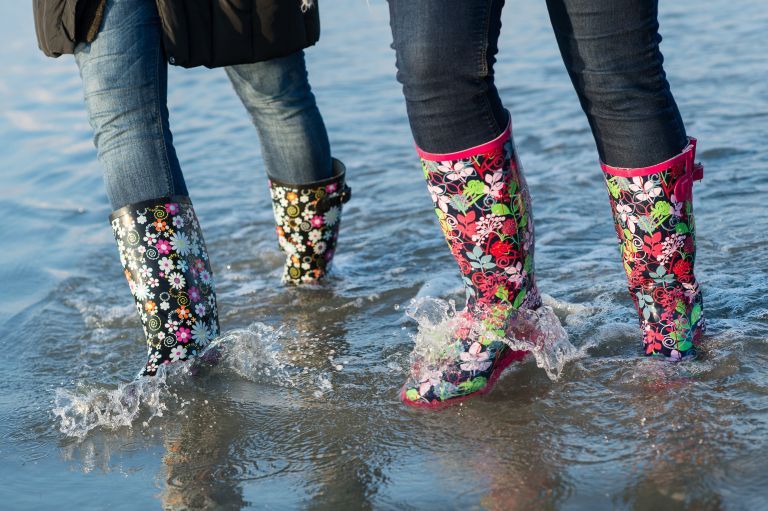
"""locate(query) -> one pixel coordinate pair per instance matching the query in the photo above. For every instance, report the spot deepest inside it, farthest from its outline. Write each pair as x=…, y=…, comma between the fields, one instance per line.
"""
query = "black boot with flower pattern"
x=307, y=219
x=166, y=263
x=484, y=208
x=653, y=215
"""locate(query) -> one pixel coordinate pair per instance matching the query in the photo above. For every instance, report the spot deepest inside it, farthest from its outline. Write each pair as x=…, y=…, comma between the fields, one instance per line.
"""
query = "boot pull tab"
x=698, y=171
x=329, y=201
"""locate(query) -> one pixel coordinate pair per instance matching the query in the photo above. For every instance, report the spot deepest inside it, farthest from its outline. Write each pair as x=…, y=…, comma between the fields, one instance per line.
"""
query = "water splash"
x=539, y=332
x=84, y=409
x=254, y=353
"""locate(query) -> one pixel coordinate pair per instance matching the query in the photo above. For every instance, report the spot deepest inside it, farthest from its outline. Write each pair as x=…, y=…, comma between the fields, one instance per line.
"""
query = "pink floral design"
x=656, y=235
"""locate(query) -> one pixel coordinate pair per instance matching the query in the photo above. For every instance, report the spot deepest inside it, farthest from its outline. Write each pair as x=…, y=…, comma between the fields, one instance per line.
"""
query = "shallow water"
x=303, y=410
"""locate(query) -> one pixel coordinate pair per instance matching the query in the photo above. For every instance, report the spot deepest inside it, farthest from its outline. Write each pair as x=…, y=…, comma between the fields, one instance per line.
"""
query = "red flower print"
x=194, y=294
x=509, y=227
x=501, y=249
x=172, y=208
x=682, y=269
x=331, y=188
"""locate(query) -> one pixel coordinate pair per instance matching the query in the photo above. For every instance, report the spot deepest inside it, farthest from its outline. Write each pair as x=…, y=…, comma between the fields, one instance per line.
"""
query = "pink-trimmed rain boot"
x=653, y=212
x=484, y=209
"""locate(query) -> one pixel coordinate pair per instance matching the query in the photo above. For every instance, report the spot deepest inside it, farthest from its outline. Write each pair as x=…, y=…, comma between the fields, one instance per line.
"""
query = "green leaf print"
x=500, y=209
x=528, y=264
x=424, y=169
x=519, y=300
x=682, y=228
x=412, y=394
x=512, y=188
x=474, y=188
x=695, y=313
x=680, y=307
x=684, y=346
x=523, y=222
x=502, y=293
x=661, y=211
x=613, y=188
x=473, y=385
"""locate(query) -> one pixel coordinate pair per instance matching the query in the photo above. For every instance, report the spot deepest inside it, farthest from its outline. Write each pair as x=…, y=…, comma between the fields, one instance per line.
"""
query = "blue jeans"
x=125, y=79
x=446, y=51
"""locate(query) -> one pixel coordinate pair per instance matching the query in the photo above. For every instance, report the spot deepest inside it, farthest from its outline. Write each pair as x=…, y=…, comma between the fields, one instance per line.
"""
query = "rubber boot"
x=653, y=213
x=166, y=263
x=484, y=209
x=307, y=219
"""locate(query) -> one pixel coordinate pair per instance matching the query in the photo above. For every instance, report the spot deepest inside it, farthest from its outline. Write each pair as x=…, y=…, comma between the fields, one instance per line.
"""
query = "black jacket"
x=210, y=33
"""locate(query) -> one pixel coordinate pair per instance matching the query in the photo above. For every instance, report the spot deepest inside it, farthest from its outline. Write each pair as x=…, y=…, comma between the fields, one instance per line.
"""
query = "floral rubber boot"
x=166, y=264
x=307, y=219
x=484, y=210
x=653, y=214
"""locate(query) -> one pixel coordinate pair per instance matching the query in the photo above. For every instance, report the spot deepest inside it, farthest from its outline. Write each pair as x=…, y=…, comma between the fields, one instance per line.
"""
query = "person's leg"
x=611, y=51
x=306, y=184
x=278, y=97
x=160, y=242
x=124, y=77
x=445, y=55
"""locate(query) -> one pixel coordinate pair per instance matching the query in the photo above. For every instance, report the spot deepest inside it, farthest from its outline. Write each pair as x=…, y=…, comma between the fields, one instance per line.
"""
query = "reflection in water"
x=198, y=474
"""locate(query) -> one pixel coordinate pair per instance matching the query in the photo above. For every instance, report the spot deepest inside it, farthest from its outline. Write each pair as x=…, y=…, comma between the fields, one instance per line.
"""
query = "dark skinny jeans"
x=446, y=51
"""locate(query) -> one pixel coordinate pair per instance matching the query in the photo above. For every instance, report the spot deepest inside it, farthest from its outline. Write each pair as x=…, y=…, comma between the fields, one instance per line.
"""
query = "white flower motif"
x=164, y=305
x=320, y=247
x=644, y=190
x=200, y=309
x=176, y=280
x=178, y=222
x=178, y=353
x=629, y=220
x=145, y=271
x=141, y=291
x=455, y=170
x=315, y=235
x=166, y=264
x=142, y=219
x=180, y=243
x=474, y=360
x=438, y=197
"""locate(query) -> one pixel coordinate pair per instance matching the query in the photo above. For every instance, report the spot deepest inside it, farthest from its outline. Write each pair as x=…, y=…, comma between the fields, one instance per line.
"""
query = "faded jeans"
x=125, y=80
x=446, y=51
